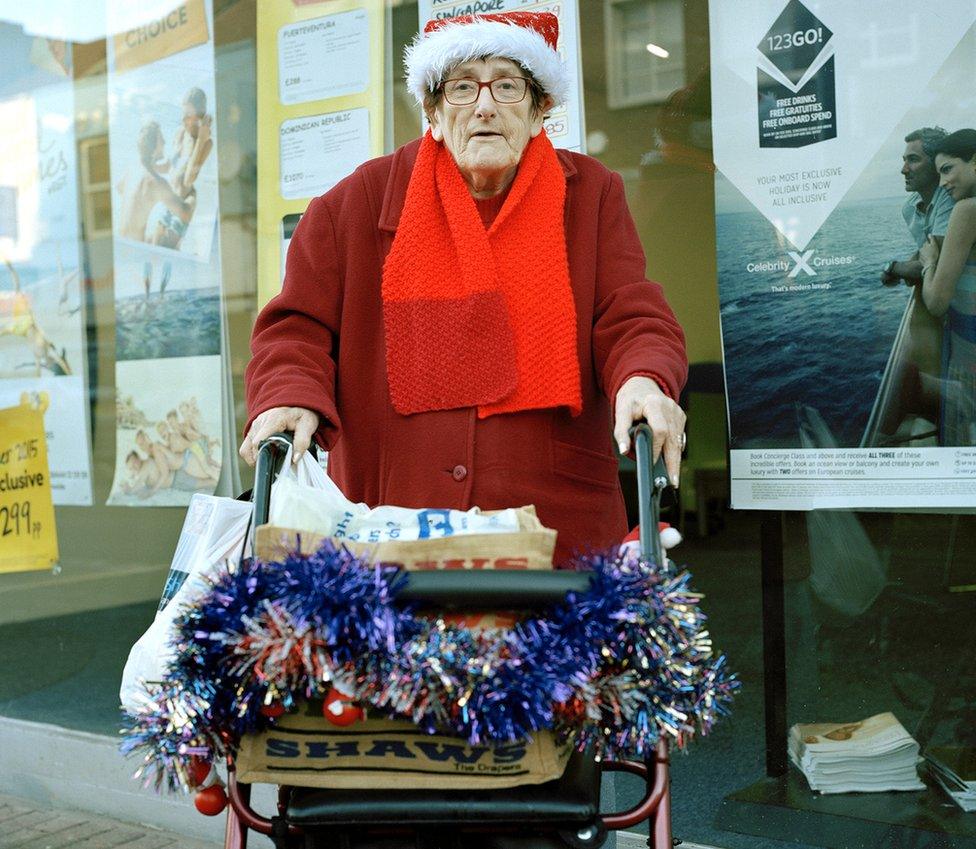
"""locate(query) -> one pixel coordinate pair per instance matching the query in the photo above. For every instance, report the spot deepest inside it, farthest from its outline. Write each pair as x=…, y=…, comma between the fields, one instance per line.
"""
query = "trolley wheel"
x=589, y=836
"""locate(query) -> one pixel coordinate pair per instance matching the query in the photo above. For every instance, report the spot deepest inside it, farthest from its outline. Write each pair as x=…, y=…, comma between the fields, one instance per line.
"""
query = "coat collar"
x=401, y=169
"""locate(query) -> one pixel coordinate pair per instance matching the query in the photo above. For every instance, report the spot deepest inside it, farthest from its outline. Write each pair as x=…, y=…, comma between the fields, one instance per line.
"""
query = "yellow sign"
x=178, y=30
x=28, y=536
x=321, y=111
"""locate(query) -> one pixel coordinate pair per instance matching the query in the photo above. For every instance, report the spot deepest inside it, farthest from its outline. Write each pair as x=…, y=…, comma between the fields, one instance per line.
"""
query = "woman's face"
x=486, y=136
x=957, y=176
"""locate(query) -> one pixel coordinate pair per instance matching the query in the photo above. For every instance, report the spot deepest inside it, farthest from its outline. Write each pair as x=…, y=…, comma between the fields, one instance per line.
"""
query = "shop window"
x=645, y=50
x=96, y=188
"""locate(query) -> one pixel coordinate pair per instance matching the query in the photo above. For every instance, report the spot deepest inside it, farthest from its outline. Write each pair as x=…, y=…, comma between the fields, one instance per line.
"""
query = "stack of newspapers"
x=868, y=756
x=954, y=767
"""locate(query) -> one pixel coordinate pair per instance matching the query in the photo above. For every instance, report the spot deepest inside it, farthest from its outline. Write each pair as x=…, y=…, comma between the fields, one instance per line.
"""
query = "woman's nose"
x=485, y=105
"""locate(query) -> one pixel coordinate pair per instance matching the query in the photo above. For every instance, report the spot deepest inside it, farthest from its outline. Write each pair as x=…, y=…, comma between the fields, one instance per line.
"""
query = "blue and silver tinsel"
x=619, y=666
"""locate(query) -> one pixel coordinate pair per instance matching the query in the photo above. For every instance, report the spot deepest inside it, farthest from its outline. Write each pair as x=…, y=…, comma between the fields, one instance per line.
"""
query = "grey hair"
x=930, y=137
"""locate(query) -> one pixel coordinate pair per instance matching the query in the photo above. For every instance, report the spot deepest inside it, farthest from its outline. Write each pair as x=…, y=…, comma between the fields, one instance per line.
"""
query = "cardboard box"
x=304, y=749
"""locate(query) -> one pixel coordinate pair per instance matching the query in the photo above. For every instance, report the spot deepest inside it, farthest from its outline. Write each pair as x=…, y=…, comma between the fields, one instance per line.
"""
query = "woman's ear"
x=435, y=126
x=539, y=117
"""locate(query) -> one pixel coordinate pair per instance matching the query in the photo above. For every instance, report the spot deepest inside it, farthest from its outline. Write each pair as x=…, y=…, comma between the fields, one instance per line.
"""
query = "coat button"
x=459, y=473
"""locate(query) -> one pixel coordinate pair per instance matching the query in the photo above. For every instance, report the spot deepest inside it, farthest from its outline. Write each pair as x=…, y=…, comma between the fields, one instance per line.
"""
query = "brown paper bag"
x=531, y=548
x=304, y=749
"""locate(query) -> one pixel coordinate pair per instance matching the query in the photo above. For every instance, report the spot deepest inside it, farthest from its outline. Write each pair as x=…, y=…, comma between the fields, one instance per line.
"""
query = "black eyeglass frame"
x=481, y=85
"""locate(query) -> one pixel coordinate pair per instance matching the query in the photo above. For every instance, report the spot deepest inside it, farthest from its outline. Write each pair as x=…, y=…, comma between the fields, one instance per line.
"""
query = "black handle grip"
x=271, y=454
x=499, y=588
x=652, y=480
x=492, y=589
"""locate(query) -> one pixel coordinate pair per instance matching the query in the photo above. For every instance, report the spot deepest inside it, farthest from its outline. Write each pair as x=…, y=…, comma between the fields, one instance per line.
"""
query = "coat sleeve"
x=295, y=337
x=634, y=330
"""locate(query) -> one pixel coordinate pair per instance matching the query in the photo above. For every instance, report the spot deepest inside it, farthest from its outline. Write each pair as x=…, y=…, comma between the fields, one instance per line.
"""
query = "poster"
x=42, y=322
x=170, y=394
x=564, y=125
x=28, y=536
x=168, y=443
x=837, y=390
x=321, y=106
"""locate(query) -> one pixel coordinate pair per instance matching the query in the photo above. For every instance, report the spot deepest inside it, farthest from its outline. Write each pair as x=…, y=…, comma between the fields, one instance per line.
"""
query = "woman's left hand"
x=640, y=398
x=929, y=252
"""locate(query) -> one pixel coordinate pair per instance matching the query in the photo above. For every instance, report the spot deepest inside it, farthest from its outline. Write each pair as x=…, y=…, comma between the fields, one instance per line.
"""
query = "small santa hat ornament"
x=528, y=38
x=670, y=537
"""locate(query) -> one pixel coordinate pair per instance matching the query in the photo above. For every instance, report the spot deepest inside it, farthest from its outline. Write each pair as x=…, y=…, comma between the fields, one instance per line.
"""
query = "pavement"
x=28, y=825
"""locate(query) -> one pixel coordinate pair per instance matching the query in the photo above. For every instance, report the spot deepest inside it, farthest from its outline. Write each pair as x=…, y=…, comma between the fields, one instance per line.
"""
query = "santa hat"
x=670, y=537
x=528, y=38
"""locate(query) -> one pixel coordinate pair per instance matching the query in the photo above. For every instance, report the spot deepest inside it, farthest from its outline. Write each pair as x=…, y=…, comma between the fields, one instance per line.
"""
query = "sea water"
x=824, y=347
x=178, y=323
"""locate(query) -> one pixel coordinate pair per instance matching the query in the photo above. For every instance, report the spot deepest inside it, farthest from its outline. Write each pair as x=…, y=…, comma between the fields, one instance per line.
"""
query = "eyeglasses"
x=465, y=91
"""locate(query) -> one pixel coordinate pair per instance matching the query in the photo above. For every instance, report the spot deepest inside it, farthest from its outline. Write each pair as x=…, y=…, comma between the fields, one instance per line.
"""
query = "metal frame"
x=655, y=771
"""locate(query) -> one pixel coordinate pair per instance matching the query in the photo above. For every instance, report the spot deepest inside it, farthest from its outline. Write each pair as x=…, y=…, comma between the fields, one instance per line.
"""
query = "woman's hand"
x=929, y=253
x=302, y=422
x=641, y=398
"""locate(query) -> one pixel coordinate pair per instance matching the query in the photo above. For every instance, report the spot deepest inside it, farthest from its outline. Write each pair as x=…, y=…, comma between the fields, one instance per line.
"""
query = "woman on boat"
x=949, y=288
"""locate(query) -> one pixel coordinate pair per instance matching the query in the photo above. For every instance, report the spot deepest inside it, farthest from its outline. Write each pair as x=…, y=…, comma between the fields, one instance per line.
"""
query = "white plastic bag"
x=214, y=532
x=305, y=498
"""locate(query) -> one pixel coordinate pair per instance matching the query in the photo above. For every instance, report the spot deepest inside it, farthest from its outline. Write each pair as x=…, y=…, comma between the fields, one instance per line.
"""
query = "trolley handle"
x=271, y=456
x=652, y=480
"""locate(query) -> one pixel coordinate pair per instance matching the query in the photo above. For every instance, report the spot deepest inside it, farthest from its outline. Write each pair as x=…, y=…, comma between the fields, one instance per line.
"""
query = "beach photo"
x=164, y=168
x=165, y=306
x=41, y=314
x=40, y=332
x=168, y=443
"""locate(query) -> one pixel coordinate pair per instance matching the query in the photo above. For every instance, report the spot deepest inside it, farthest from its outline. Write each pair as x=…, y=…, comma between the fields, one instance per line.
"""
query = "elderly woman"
x=458, y=319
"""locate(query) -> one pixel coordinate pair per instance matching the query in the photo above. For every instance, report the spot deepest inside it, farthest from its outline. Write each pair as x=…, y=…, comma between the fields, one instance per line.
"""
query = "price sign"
x=28, y=537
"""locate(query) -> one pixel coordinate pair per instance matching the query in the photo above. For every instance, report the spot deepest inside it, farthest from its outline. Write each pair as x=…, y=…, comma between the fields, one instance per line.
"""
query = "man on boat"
x=926, y=211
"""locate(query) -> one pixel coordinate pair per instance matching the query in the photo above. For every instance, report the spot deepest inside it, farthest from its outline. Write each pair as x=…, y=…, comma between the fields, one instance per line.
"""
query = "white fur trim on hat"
x=430, y=56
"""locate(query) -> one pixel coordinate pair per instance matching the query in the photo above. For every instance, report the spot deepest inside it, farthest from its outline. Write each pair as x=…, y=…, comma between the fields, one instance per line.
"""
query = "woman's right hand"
x=303, y=423
x=929, y=253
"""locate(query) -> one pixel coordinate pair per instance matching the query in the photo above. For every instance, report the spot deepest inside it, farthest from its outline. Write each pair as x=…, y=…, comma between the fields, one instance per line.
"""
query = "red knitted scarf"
x=475, y=317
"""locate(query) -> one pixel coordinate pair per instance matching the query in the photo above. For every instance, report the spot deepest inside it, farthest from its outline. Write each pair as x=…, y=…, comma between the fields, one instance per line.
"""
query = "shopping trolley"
x=566, y=809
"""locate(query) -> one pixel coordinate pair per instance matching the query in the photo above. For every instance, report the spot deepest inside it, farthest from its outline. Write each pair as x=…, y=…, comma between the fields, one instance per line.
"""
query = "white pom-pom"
x=670, y=537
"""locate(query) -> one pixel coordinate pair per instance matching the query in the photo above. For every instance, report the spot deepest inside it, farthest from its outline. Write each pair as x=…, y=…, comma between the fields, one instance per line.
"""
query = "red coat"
x=320, y=344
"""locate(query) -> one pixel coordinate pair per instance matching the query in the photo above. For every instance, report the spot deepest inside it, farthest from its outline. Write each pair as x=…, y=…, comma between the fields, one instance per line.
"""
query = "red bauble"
x=199, y=770
x=340, y=710
x=273, y=711
x=211, y=800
